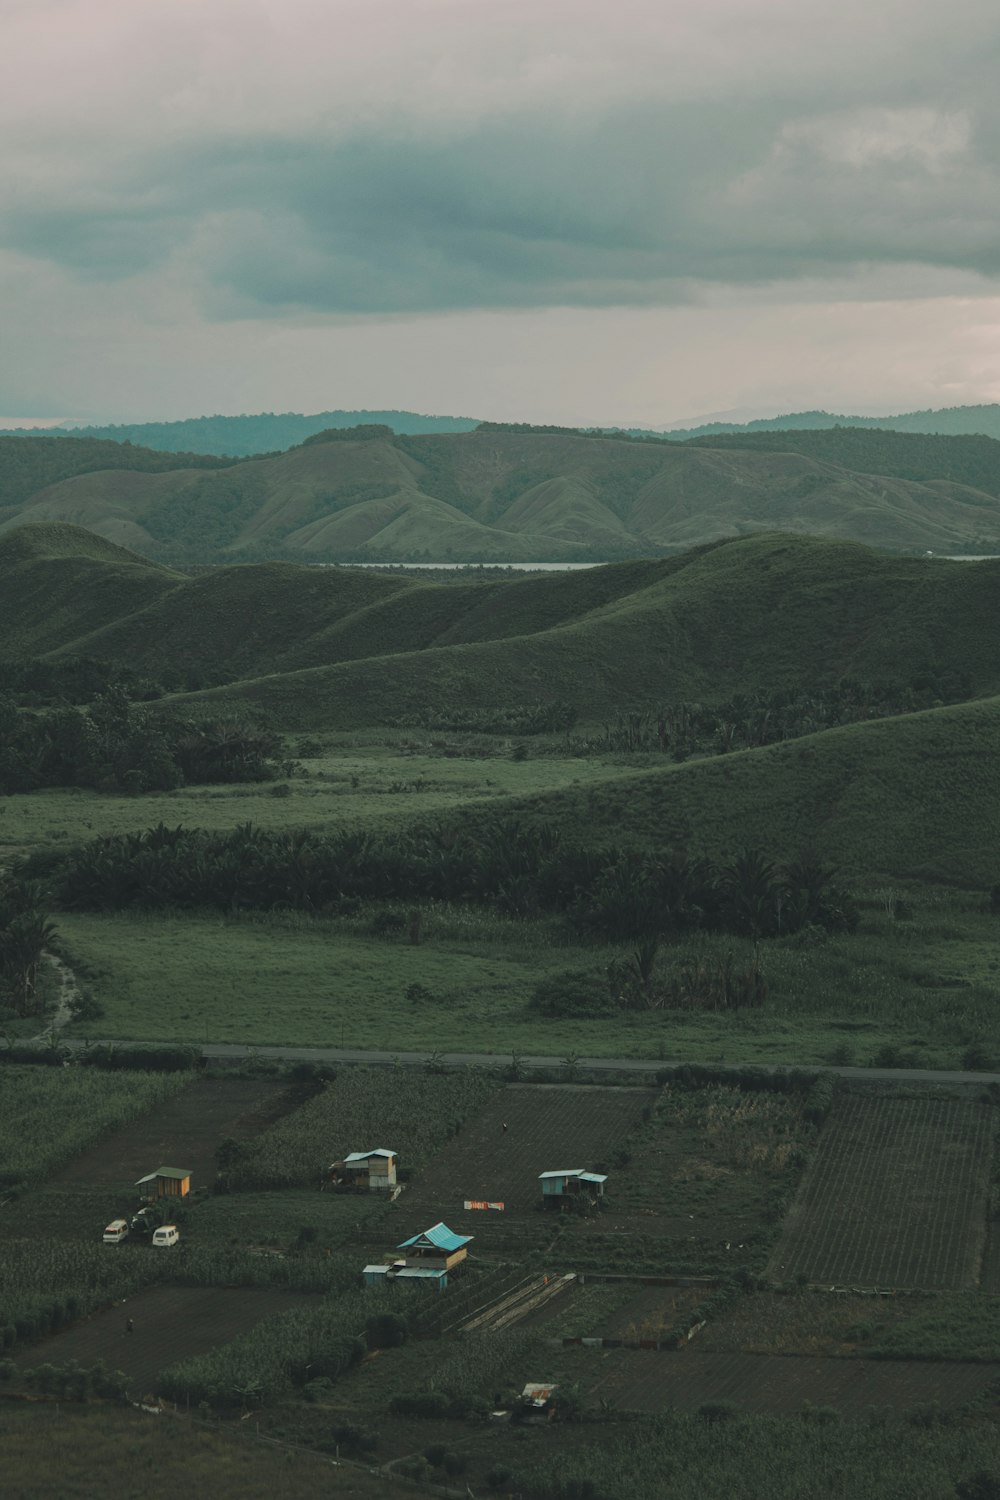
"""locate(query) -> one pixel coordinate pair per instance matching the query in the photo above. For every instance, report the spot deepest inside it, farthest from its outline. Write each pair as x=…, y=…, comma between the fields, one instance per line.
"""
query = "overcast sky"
x=547, y=210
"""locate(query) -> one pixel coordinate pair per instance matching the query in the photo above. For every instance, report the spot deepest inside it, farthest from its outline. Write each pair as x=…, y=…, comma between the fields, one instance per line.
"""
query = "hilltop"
x=511, y=494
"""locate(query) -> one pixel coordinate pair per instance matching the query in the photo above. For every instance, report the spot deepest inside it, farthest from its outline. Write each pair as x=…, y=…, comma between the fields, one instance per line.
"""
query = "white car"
x=116, y=1231
x=167, y=1234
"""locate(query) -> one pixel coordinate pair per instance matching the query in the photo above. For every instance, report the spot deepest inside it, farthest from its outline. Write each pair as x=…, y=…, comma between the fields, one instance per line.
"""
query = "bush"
x=717, y=1411
x=574, y=992
x=498, y=1476
x=421, y=1404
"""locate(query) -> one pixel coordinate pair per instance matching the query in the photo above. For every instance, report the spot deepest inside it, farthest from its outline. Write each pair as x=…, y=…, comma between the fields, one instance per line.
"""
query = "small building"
x=364, y=1172
x=438, y=1248
x=419, y=1276
x=165, y=1182
x=537, y=1403
x=562, y=1187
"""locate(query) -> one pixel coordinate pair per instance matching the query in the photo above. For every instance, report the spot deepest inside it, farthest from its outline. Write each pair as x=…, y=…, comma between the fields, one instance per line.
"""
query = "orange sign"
x=477, y=1203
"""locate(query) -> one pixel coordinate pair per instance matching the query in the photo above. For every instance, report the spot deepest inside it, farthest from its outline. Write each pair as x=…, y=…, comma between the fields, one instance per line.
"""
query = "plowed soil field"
x=185, y=1131
x=639, y=1380
x=523, y=1130
x=169, y=1323
x=896, y=1196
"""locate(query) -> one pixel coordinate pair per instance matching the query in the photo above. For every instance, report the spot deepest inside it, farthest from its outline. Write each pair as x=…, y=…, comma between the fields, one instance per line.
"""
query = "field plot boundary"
x=895, y=1198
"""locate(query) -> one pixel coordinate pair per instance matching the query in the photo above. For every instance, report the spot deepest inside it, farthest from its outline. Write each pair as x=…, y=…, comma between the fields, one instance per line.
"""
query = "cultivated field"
x=171, y=1323
x=184, y=1129
x=521, y=1131
x=896, y=1196
x=640, y=1380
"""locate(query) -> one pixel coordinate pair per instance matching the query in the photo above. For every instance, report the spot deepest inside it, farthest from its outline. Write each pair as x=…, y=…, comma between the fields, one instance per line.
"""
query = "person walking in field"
x=129, y=1325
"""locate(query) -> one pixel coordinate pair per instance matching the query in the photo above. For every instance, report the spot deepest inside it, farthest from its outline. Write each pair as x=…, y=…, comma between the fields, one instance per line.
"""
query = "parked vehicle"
x=116, y=1231
x=167, y=1234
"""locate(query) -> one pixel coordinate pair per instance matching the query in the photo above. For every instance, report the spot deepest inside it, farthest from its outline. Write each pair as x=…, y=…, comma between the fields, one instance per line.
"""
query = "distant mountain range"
x=505, y=494
x=241, y=437
x=274, y=432
x=952, y=421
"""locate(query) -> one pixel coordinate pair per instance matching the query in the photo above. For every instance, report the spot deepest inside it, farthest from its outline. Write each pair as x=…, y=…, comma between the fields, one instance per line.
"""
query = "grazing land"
x=896, y=1196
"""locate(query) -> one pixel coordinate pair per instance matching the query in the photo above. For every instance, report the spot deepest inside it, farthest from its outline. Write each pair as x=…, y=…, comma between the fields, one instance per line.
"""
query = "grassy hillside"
x=970, y=460
x=28, y=464
x=504, y=494
x=914, y=797
x=58, y=583
x=340, y=648
x=762, y=613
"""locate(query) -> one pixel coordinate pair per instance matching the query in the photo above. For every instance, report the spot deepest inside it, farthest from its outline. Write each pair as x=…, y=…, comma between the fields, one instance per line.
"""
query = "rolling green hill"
x=346, y=648
x=504, y=494
x=913, y=797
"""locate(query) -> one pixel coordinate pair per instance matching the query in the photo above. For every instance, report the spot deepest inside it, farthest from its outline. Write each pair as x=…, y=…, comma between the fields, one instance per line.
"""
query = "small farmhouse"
x=561, y=1188
x=364, y=1172
x=165, y=1182
x=438, y=1249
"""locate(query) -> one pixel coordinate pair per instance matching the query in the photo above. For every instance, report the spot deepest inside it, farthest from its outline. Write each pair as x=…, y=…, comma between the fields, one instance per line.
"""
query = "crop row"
x=896, y=1196
x=361, y=1110
x=48, y=1115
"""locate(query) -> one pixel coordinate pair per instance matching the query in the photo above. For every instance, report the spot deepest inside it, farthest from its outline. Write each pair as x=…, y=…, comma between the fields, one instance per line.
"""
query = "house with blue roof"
x=438, y=1248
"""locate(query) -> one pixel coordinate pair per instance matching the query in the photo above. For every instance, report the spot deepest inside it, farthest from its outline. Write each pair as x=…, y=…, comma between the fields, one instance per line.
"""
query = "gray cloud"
x=421, y=205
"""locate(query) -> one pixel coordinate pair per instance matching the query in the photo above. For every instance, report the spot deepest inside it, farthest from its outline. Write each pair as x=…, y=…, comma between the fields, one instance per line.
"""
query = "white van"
x=116, y=1231
x=167, y=1234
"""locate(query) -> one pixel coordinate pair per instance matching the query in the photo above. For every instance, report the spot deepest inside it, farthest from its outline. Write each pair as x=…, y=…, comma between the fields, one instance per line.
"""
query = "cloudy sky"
x=579, y=211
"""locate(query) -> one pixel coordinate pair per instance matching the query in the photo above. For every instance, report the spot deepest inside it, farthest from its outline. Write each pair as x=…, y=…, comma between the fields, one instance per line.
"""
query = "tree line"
x=748, y=720
x=515, y=868
x=116, y=745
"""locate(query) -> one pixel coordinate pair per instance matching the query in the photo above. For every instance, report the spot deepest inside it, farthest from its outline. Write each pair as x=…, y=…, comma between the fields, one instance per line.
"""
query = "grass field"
x=371, y=779
x=924, y=984
x=896, y=1196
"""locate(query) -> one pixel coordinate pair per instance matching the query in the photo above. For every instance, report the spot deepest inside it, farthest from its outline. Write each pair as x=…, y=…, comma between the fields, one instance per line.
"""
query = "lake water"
x=521, y=567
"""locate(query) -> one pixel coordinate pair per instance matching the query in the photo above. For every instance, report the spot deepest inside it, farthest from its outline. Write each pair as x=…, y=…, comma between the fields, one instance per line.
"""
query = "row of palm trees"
x=515, y=868
x=25, y=933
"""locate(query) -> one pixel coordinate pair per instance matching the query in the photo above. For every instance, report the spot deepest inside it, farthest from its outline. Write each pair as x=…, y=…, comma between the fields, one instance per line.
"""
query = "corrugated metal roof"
x=174, y=1172
x=569, y=1172
x=364, y=1155
x=591, y=1177
x=439, y=1236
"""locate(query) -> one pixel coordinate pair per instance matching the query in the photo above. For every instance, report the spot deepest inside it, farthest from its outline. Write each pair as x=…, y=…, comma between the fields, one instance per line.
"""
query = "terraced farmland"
x=895, y=1198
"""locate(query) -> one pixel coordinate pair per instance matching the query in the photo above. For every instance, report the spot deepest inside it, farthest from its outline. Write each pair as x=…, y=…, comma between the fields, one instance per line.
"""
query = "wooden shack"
x=419, y=1276
x=364, y=1172
x=561, y=1188
x=437, y=1249
x=165, y=1182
